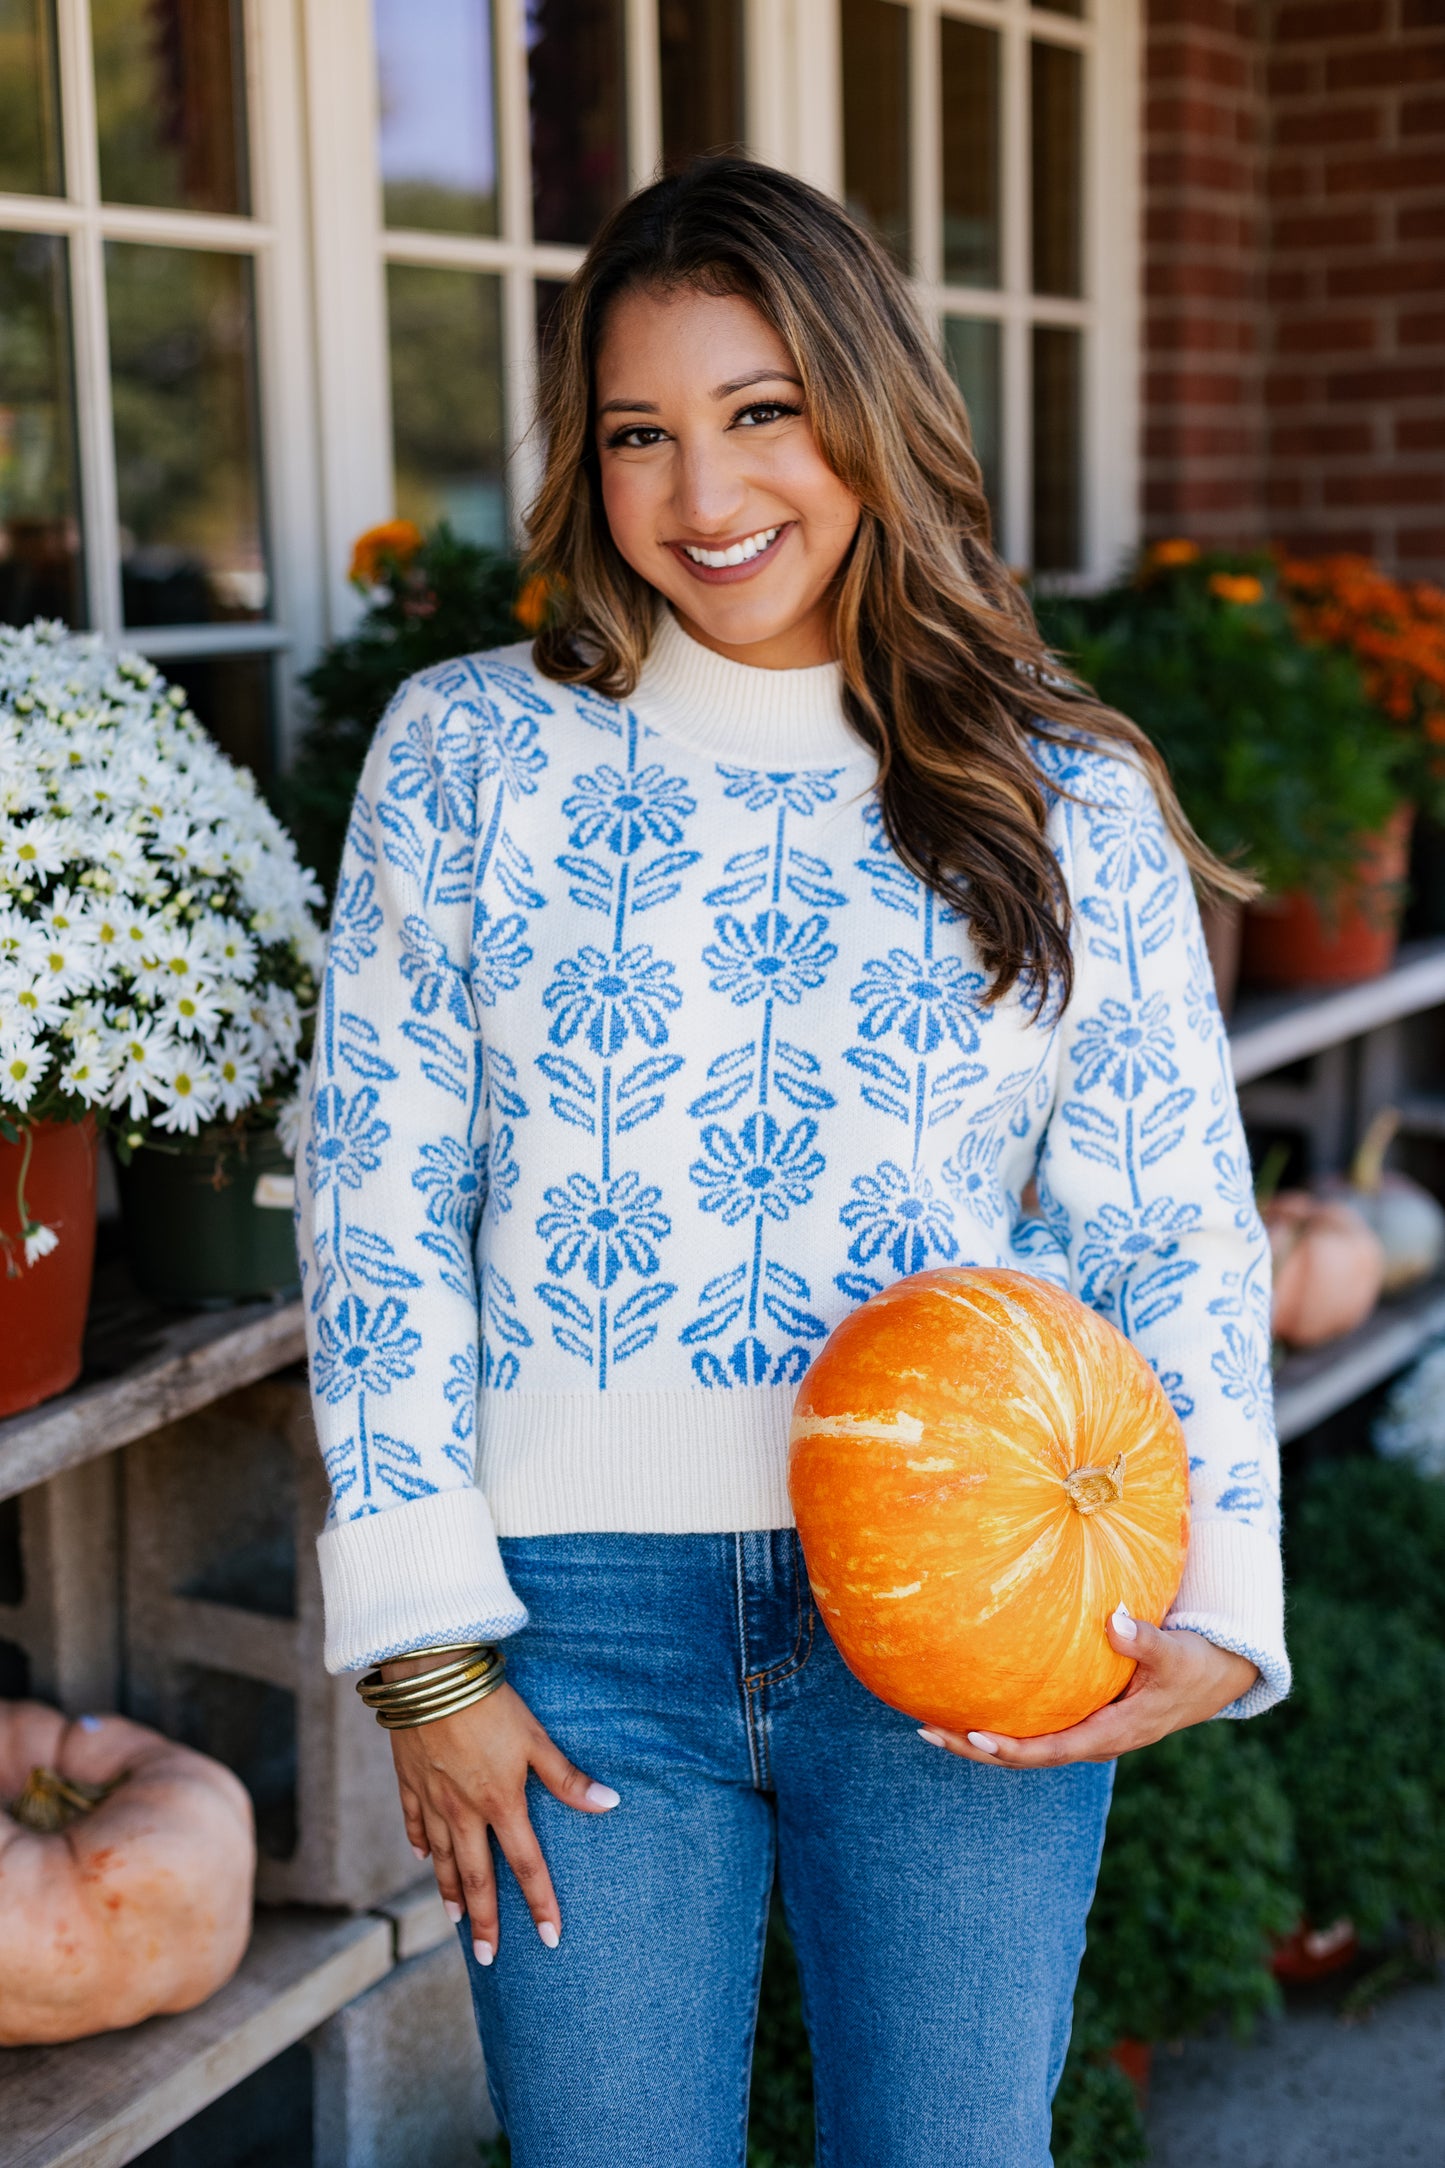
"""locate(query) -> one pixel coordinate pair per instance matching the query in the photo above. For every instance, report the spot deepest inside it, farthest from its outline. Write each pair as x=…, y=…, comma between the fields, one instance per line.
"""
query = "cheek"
x=828, y=506
x=629, y=500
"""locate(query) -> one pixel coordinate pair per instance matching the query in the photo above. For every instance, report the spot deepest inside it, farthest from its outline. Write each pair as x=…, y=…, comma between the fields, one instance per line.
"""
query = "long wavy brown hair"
x=945, y=674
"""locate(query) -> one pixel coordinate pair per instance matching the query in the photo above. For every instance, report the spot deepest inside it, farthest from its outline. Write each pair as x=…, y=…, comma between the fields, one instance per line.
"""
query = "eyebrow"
x=720, y=391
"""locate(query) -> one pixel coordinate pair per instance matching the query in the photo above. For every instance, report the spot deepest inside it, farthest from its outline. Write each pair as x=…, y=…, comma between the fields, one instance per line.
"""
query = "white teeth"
x=738, y=554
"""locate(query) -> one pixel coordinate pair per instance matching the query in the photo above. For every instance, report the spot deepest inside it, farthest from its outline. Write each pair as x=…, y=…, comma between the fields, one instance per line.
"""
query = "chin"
x=736, y=620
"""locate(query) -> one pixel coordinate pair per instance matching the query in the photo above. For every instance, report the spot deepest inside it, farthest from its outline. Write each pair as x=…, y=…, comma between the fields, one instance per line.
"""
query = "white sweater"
x=641, y=1059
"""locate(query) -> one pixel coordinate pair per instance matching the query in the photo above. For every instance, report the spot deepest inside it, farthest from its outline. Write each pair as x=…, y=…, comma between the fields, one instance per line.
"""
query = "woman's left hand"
x=1181, y=1679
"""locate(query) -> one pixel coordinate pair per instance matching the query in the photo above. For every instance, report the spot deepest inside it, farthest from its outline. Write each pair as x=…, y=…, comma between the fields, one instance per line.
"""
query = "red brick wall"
x=1294, y=261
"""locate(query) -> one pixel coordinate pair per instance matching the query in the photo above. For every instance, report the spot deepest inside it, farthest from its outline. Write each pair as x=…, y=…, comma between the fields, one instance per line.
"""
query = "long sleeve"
x=392, y=1169
x=1145, y=1180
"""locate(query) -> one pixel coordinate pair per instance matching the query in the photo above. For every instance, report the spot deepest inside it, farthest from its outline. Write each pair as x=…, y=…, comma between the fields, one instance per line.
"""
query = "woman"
x=758, y=934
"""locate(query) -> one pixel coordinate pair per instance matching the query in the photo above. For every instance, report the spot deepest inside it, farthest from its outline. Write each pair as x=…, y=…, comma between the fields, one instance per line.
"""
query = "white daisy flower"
x=238, y=1075
x=23, y=1063
x=187, y=1094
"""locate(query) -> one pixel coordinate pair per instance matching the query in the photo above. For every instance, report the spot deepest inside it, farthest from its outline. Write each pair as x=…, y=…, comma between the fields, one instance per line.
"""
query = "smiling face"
x=714, y=488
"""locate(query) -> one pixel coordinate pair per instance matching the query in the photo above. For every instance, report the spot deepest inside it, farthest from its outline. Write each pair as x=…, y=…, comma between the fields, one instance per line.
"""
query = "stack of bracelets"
x=476, y=1670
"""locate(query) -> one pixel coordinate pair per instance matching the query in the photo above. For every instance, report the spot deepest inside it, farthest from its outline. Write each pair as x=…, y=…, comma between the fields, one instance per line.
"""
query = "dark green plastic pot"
x=199, y=1229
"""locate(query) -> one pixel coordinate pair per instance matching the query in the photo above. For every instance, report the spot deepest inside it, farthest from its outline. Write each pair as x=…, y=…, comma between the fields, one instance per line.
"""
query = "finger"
x=1137, y=1638
x=565, y=1781
x=523, y=1854
x=437, y=1837
x=479, y=1886
x=1116, y=1729
x=415, y=1821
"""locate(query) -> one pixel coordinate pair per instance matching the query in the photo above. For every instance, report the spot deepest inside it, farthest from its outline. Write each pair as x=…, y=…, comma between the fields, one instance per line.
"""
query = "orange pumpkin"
x=142, y=1903
x=981, y=1470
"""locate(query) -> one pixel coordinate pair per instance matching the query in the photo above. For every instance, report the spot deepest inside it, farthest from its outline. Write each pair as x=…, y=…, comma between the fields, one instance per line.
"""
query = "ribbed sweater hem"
x=1233, y=1594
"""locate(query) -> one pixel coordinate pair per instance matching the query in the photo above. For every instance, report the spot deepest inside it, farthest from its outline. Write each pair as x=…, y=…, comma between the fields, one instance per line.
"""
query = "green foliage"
x=1280, y=760
x=1097, y=2123
x=780, y=2113
x=451, y=598
x=1360, y=1750
x=1197, y=1875
x=1372, y=1531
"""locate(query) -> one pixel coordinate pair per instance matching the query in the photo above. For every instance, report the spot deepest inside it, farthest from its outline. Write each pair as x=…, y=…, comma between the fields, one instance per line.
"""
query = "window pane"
x=446, y=399
x=233, y=696
x=700, y=52
x=187, y=449
x=438, y=114
x=1058, y=169
x=170, y=104
x=576, y=71
x=1063, y=7
x=974, y=347
x=1058, y=373
x=876, y=120
x=40, y=574
x=29, y=99
x=970, y=91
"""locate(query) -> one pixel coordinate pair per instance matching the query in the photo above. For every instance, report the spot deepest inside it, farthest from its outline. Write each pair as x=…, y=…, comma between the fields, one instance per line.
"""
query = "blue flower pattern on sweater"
x=676, y=1062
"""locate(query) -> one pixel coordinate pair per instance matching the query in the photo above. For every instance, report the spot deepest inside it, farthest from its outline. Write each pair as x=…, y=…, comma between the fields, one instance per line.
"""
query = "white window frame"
x=274, y=237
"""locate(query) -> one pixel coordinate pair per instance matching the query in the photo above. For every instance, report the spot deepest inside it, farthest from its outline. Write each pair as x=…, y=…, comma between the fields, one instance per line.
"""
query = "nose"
x=709, y=491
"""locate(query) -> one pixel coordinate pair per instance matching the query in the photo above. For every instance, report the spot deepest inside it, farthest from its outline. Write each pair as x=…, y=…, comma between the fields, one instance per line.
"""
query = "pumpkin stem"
x=51, y=1802
x=1369, y=1164
x=1090, y=1489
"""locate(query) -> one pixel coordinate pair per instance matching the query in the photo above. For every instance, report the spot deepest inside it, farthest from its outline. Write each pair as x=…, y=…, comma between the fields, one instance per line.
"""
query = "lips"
x=732, y=562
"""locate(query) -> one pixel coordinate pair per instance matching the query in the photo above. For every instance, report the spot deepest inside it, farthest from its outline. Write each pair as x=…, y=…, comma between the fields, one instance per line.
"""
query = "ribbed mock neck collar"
x=775, y=719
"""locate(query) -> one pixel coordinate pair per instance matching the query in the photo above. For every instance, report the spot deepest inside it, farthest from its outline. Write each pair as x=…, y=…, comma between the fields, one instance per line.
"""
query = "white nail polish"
x=418, y=1853
x=1123, y=1624
x=549, y=1934
x=602, y=1795
x=452, y=1911
x=982, y=1741
x=934, y=1738
x=483, y=1953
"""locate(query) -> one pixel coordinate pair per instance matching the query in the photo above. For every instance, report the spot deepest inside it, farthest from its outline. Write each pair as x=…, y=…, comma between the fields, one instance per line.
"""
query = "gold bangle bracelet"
x=421, y=1696
x=374, y=1687
x=463, y=1698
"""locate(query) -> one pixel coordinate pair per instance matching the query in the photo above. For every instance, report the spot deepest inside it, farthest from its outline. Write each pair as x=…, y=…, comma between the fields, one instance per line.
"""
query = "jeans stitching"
x=739, y=1578
x=777, y=1674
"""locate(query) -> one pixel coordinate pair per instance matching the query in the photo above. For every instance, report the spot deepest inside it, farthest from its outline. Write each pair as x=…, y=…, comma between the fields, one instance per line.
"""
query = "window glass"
x=170, y=103
x=1057, y=447
x=973, y=345
x=233, y=697
x=576, y=73
x=438, y=121
x=1057, y=161
x=876, y=120
x=446, y=405
x=29, y=99
x=40, y=563
x=188, y=466
x=1063, y=7
x=700, y=59
x=969, y=69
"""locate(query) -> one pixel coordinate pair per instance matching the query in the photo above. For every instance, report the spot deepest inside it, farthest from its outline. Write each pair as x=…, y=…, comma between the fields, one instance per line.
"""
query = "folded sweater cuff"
x=1233, y=1594
x=414, y=1577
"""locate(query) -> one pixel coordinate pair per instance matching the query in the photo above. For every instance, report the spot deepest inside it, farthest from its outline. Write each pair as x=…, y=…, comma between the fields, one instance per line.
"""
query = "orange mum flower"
x=1236, y=587
x=392, y=544
x=530, y=607
x=1177, y=550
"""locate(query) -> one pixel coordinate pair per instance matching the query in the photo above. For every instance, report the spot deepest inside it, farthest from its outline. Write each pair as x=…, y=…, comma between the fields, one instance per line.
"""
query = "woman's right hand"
x=465, y=1774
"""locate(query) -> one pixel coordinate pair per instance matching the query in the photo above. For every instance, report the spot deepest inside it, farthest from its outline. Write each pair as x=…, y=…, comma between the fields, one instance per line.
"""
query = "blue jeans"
x=937, y=1907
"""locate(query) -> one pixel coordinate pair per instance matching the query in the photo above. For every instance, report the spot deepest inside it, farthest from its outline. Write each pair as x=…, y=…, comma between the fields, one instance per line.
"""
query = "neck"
x=802, y=646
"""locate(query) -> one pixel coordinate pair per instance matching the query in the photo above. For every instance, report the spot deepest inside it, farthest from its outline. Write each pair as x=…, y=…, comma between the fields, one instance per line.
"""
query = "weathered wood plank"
x=1312, y=1385
x=1269, y=1031
x=97, y=2103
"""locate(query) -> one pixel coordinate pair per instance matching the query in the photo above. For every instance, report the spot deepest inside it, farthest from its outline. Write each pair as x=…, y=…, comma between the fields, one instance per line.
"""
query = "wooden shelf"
x=1311, y=1386
x=145, y=1366
x=1268, y=1031
x=96, y=2103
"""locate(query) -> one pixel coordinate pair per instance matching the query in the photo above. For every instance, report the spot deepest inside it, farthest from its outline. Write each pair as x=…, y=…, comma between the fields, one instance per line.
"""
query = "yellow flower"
x=1236, y=587
x=1178, y=550
x=530, y=607
x=394, y=542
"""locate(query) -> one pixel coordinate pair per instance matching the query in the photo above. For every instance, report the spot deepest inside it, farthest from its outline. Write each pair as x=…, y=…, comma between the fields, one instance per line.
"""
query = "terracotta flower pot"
x=43, y=1304
x=1290, y=941
x=1136, y=2059
x=1313, y=1953
x=1223, y=924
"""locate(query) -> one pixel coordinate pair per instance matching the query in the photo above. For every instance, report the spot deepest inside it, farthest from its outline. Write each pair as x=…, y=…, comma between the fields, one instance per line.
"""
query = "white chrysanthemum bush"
x=158, y=934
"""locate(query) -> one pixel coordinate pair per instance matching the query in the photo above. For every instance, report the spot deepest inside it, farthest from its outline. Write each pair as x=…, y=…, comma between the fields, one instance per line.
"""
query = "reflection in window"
x=188, y=464
x=170, y=103
x=577, y=70
x=974, y=354
x=29, y=99
x=1057, y=98
x=233, y=696
x=438, y=115
x=446, y=399
x=700, y=57
x=969, y=71
x=876, y=120
x=1058, y=447
x=40, y=573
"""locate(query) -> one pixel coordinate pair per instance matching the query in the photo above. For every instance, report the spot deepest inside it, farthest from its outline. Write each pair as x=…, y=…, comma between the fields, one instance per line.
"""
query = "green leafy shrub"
x=1372, y=1531
x=1360, y=1751
x=426, y=604
x=1097, y=2123
x=1280, y=760
x=1196, y=1878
